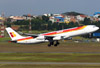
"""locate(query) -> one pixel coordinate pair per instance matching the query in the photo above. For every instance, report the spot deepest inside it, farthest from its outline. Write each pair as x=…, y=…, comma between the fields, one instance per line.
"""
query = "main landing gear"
x=52, y=43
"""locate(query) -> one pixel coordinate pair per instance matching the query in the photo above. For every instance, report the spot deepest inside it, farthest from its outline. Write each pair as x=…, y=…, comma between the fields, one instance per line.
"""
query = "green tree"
x=86, y=21
x=45, y=18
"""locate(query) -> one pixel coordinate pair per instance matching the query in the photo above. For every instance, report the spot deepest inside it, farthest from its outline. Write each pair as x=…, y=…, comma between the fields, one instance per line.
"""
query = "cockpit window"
x=94, y=26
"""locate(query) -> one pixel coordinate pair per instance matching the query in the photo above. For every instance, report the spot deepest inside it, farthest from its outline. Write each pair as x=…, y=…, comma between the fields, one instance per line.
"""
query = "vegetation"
x=49, y=57
x=47, y=66
x=67, y=46
x=19, y=50
x=72, y=13
x=4, y=39
x=40, y=24
x=43, y=24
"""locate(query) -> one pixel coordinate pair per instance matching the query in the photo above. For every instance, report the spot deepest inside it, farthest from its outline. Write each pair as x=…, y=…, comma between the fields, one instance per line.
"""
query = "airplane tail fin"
x=13, y=34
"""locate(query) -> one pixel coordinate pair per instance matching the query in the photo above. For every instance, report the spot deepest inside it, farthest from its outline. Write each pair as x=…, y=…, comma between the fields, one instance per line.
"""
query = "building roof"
x=96, y=13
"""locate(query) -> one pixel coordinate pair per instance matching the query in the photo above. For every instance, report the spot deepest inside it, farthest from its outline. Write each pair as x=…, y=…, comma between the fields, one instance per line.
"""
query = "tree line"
x=44, y=24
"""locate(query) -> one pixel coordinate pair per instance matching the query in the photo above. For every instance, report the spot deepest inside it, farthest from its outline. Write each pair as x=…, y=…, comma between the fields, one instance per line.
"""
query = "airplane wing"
x=26, y=34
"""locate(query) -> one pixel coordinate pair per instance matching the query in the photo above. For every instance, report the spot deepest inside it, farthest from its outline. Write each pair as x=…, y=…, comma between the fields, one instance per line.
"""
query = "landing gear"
x=49, y=45
x=57, y=43
x=52, y=43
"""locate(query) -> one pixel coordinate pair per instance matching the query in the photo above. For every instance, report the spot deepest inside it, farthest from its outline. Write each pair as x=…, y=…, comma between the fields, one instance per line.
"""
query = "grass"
x=48, y=66
x=39, y=48
x=33, y=53
x=50, y=57
x=4, y=39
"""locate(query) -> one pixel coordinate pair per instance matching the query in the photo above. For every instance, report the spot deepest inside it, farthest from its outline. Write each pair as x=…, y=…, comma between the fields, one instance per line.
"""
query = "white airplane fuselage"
x=59, y=35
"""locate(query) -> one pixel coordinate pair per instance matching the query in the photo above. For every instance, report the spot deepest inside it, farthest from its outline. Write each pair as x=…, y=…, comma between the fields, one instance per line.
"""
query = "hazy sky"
x=38, y=7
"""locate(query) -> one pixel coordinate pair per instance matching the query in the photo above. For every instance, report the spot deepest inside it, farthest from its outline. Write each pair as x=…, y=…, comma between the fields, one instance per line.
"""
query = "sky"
x=39, y=7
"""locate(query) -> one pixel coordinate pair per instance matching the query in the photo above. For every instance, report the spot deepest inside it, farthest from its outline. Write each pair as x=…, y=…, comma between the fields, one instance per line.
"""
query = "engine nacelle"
x=64, y=37
x=69, y=38
x=40, y=38
x=61, y=38
x=57, y=38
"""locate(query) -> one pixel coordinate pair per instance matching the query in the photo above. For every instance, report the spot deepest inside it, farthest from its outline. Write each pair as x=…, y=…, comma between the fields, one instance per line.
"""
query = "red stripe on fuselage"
x=25, y=39
x=63, y=31
x=68, y=30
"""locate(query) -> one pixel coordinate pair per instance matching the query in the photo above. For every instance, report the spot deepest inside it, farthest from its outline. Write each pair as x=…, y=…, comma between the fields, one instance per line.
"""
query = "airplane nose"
x=97, y=28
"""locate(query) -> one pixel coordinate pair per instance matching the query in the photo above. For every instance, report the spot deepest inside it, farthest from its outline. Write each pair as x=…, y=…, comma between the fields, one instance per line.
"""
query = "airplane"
x=51, y=37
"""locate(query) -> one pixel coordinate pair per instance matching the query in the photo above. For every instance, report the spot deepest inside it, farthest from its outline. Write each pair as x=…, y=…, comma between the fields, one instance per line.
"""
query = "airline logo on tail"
x=12, y=34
